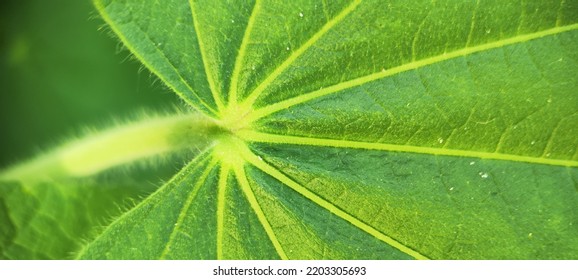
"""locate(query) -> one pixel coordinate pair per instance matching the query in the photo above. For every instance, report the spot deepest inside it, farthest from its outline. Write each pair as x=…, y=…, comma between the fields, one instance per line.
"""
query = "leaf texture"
x=54, y=220
x=362, y=130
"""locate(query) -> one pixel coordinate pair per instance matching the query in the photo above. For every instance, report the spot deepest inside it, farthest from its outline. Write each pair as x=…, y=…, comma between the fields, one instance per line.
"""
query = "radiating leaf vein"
x=273, y=172
x=185, y=209
x=291, y=59
x=242, y=179
x=340, y=87
x=112, y=24
x=298, y=140
x=242, y=53
x=216, y=94
x=221, y=199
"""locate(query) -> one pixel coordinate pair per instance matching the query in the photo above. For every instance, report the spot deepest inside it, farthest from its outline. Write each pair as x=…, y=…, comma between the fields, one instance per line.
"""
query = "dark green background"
x=61, y=71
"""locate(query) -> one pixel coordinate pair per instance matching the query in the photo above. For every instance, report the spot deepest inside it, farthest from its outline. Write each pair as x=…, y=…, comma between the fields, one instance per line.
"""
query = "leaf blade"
x=446, y=207
x=500, y=113
x=52, y=220
x=147, y=45
x=458, y=129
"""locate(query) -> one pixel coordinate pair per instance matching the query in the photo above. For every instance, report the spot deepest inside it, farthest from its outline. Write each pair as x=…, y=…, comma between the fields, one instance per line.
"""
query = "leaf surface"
x=53, y=220
x=362, y=130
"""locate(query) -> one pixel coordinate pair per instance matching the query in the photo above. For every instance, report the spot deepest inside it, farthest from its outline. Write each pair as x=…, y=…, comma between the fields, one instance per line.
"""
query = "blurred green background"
x=61, y=70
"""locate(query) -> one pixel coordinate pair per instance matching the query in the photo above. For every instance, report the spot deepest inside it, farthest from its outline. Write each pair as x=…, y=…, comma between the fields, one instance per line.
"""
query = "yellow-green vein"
x=176, y=179
x=221, y=192
x=186, y=206
x=328, y=26
x=270, y=109
x=268, y=169
x=101, y=9
x=241, y=54
x=242, y=179
x=298, y=140
x=210, y=79
x=559, y=14
x=472, y=23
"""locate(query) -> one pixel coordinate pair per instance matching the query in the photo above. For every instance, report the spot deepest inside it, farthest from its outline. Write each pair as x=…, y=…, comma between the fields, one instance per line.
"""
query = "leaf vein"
x=472, y=23
x=272, y=171
x=221, y=191
x=322, y=142
x=253, y=96
x=210, y=80
x=242, y=53
x=101, y=8
x=179, y=177
x=242, y=179
x=186, y=206
x=340, y=87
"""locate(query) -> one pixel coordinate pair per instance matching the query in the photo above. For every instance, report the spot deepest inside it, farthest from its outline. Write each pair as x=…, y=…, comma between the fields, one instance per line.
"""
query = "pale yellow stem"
x=117, y=146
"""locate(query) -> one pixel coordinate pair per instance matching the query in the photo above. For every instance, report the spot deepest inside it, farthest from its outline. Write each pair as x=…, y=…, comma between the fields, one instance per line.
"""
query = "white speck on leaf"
x=260, y=158
x=452, y=188
x=232, y=21
x=288, y=48
x=300, y=14
x=472, y=162
x=440, y=140
x=533, y=142
x=484, y=175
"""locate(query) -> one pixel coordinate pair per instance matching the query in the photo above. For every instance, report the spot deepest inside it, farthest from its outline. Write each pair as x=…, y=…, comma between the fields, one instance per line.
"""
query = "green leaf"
x=361, y=130
x=53, y=220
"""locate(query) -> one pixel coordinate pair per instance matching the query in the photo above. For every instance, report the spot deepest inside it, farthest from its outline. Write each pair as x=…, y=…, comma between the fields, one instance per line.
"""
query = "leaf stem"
x=118, y=145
